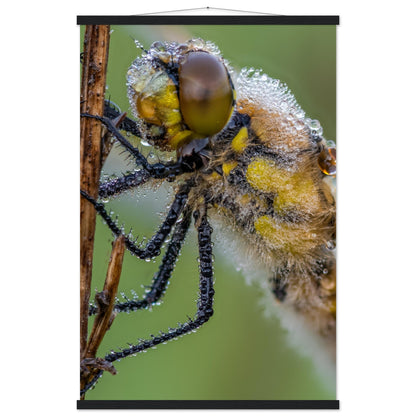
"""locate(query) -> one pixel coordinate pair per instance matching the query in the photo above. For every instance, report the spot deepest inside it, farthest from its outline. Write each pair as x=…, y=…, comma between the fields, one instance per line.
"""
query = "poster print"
x=255, y=176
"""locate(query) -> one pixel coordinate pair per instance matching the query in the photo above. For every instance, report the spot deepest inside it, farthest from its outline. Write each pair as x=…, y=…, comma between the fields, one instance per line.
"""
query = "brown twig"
x=105, y=300
x=95, y=57
x=95, y=147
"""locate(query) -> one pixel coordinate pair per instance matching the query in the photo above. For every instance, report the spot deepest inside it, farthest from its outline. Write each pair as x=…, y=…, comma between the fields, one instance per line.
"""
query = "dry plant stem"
x=90, y=366
x=106, y=298
x=96, y=45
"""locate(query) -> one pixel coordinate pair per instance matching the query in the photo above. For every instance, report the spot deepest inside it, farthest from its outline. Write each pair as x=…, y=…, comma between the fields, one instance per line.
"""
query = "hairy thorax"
x=265, y=182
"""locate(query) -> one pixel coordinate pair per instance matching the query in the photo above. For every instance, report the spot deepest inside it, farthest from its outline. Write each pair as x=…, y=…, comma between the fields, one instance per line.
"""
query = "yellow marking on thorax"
x=214, y=176
x=180, y=138
x=292, y=189
x=293, y=238
x=264, y=175
x=228, y=167
x=240, y=141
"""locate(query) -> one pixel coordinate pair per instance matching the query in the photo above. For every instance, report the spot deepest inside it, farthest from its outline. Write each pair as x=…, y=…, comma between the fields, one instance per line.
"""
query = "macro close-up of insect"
x=219, y=174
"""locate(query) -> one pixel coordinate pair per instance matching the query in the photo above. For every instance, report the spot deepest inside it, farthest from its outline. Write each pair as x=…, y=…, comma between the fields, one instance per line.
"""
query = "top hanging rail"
x=208, y=20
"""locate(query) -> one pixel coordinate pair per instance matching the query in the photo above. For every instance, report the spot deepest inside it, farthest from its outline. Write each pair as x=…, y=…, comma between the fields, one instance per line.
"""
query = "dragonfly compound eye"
x=179, y=95
x=205, y=93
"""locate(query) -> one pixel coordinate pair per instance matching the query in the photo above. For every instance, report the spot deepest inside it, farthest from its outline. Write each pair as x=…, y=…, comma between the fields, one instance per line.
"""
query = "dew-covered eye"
x=205, y=93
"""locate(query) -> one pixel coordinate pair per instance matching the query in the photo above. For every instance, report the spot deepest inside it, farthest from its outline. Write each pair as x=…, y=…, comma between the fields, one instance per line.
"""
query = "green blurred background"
x=239, y=353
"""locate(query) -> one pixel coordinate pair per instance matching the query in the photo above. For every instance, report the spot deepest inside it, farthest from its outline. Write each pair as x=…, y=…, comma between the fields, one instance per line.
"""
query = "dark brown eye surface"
x=205, y=93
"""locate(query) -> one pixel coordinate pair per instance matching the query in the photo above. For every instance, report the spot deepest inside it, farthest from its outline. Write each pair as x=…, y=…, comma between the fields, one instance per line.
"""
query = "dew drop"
x=138, y=44
x=144, y=143
x=331, y=245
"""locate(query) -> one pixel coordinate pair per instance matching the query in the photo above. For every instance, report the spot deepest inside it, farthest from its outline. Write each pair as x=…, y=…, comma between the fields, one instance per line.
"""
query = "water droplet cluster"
x=257, y=90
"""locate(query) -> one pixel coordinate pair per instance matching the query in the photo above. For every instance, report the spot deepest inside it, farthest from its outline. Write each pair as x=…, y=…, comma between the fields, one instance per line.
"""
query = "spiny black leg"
x=91, y=384
x=118, y=185
x=205, y=301
x=156, y=170
x=121, y=139
x=161, y=279
x=127, y=124
x=153, y=247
